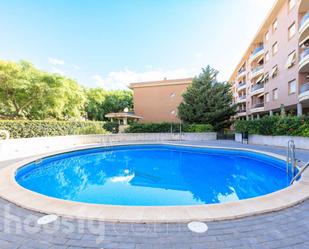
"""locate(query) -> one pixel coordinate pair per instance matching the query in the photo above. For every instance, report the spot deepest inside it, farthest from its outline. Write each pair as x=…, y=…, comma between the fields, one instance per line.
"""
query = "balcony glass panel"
x=304, y=53
x=258, y=105
x=258, y=49
x=257, y=87
x=304, y=19
x=257, y=69
x=304, y=87
x=241, y=84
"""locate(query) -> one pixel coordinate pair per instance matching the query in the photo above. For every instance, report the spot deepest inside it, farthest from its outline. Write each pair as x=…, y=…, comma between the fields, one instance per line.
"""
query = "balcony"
x=259, y=107
x=304, y=61
x=241, y=86
x=257, y=89
x=242, y=112
x=257, y=54
x=304, y=28
x=242, y=99
x=241, y=73
x=256, y=72
x=304, y=93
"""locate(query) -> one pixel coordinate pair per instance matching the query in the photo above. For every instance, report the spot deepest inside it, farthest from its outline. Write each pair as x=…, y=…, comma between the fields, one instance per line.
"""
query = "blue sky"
x=110, y=43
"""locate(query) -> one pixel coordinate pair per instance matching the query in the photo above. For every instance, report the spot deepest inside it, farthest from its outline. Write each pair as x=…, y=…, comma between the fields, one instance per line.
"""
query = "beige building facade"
x=158, y=101
x=273, y=74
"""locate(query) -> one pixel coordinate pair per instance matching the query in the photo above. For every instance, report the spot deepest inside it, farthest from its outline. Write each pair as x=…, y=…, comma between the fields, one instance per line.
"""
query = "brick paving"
x=285, y=229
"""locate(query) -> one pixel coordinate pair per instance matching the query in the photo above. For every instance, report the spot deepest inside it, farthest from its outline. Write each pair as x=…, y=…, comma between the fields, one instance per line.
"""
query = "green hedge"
x=275, y=126
x=26, y=128
x=166, y=127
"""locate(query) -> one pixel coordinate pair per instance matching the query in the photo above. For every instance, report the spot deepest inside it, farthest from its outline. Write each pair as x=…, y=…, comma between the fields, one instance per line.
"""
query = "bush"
x=27, y=128
x=275, y=126
x=96, y=128
x=166, y=127
x=111, y=127
x=197, y=128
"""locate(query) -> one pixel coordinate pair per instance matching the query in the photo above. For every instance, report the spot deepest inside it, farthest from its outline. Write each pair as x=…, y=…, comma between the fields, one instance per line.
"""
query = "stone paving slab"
x=288, y=228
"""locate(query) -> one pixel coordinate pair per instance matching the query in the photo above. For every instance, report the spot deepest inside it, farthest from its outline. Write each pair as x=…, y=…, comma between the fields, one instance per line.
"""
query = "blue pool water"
x=154, y=175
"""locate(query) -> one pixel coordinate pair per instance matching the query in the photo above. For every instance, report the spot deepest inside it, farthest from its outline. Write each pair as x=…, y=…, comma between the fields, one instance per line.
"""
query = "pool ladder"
x=291, y=163
x=299, y=173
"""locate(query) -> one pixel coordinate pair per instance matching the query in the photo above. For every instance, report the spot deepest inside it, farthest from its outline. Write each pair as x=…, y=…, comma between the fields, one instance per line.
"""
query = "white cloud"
x=55, y=61
x=58, y=71
x=121, y=79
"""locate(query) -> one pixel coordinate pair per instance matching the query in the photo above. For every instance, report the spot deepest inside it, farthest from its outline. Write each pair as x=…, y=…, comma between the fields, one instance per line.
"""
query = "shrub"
x=111, y=127
x=275, y=126
x=198, y=128
x=167, y=127
x=35, y=128
x=92, y=129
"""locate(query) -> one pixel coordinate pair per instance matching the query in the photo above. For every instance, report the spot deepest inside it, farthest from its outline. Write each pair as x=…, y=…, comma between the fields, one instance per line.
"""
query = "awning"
x=291, y=60
x=304, y=41
x=261, y=95
x=260, y=79
x=274, y=72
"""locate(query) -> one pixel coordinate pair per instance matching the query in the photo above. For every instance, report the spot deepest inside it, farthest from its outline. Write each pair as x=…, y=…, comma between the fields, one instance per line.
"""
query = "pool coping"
x=10, y=190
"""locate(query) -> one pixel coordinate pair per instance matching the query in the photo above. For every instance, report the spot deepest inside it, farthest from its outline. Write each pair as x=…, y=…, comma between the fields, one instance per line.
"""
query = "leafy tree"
x=100, y=102
x=30, y=93
x=207, y=101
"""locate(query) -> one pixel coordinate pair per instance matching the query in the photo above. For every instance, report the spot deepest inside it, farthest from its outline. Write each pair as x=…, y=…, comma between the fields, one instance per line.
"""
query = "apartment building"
x=158, y=101
x=273, y=74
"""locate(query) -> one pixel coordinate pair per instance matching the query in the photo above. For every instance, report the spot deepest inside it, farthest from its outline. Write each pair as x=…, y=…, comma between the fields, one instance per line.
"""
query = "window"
x=267, y=97
x=275, y=48
x=275, y=71
x=267, y=56
x=275, y=94
x=292, y=30
x=291, y=4
x=267, y=36
x=292, y=86
x=291, y=60
x=275, y=25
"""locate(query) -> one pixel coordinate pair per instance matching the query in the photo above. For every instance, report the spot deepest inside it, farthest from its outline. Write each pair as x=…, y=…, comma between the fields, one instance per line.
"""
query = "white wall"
x=282, y=141
x=25, y=147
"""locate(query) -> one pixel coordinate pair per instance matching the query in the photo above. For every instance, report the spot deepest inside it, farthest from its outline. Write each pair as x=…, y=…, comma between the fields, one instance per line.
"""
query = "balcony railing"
x=242, y=97
x=257, y=87
x=241, y=111
x=304, y=88
x=304, y=19
x=241, y=84
x=258, y=68
x=240, y=71
x=258, y=105
x=304, y=54
x=258, y=49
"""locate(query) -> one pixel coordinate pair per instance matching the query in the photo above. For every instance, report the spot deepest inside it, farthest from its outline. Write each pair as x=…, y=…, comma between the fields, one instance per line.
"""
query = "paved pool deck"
x=285, y=229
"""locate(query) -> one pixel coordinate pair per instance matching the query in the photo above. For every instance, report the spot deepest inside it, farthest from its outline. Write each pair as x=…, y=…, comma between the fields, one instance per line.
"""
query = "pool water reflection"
x=155, y=175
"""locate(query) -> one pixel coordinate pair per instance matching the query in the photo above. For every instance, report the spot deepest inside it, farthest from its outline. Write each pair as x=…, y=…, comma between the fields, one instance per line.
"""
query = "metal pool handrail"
x=291, y=159
x=299, y=173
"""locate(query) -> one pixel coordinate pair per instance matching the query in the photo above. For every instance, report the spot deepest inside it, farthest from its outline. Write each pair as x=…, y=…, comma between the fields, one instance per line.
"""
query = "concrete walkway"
x=285, y=229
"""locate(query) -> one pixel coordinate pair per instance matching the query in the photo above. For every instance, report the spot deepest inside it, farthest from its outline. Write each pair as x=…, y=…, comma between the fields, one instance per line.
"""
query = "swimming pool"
x=154, y=175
